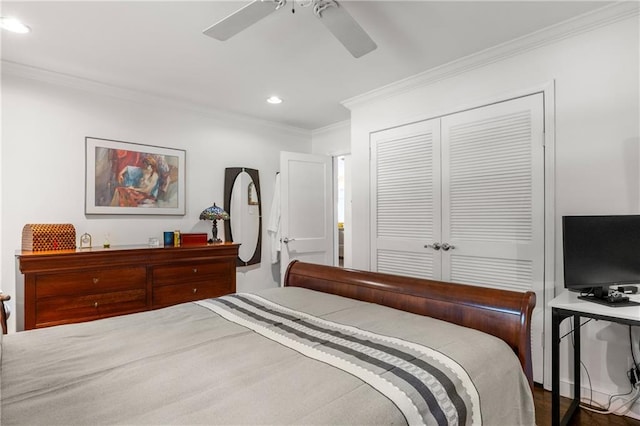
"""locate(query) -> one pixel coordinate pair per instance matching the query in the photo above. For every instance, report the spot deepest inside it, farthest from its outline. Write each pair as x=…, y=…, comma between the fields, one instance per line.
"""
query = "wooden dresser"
x=68, y=286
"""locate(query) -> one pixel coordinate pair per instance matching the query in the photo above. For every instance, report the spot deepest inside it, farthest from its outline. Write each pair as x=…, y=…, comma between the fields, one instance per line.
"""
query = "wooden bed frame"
x=502, y=313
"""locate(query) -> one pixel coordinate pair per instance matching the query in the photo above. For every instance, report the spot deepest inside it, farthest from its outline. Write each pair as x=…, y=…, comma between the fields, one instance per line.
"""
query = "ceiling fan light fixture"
x=335, y=17
x=14, y=25
x=274, y=100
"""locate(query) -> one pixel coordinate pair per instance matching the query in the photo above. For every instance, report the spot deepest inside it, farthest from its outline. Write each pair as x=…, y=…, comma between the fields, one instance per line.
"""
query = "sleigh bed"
x=333, y=346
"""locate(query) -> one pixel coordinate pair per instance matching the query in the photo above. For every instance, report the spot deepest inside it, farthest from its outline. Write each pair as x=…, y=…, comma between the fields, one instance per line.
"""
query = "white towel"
x=273, y=228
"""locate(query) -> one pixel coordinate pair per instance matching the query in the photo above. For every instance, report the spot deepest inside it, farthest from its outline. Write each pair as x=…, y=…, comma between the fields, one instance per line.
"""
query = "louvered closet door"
x=405, y=213
x=493, y=195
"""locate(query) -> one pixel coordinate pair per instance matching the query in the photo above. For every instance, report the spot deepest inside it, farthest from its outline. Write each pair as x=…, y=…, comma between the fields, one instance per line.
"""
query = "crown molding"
x=572, y=27
x=137, y=96
x=340, y=125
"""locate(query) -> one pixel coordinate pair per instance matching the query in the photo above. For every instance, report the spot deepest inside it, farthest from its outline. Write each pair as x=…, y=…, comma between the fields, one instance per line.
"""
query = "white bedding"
x=187, y=365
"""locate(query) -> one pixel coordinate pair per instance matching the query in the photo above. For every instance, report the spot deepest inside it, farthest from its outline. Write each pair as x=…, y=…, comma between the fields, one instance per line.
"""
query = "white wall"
x=43, y=132
x=332, y=140
x=597, y=137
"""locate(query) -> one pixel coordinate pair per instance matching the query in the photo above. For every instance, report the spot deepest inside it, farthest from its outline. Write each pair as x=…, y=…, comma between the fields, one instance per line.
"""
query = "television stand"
x=566, y=305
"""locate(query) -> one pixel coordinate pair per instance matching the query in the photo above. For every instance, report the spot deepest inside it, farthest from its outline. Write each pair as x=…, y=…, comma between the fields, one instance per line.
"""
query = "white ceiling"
x=157, y=47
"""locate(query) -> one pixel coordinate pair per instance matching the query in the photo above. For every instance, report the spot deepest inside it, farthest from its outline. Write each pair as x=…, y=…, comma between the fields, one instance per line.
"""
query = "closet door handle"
x=446, y=247
x=435, y=246
x=286, y=240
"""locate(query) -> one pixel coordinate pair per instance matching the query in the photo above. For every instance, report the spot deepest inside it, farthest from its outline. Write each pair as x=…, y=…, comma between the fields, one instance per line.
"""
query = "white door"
x=461, y=199
x=306, y=217
x=493, y=195
x=405, y=209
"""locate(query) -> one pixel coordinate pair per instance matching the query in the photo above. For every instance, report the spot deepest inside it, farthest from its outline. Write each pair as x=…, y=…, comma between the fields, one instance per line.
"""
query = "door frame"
x=548, y=91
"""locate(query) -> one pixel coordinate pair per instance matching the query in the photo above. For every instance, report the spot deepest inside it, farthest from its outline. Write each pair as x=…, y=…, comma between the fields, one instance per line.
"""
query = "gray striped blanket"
x=427, y=386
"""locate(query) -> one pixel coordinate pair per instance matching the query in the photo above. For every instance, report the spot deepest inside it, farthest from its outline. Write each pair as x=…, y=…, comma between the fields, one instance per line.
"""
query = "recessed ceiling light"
x=274, y=100
x=14, y=25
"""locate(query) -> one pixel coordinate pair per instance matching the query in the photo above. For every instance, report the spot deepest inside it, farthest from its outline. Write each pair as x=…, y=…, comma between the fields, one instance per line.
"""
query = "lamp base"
x=214, y=233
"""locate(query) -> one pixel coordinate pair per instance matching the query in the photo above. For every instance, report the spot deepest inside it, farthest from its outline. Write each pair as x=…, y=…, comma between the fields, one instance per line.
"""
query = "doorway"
x=342, y=210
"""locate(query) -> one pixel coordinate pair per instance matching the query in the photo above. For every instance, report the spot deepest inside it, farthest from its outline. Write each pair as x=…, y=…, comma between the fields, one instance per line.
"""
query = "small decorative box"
x=193, y=239
x=50, y=236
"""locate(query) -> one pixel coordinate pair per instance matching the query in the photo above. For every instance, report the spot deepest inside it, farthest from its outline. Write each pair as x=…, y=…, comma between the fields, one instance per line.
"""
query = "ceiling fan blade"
x=238, y=21
x=347, y=31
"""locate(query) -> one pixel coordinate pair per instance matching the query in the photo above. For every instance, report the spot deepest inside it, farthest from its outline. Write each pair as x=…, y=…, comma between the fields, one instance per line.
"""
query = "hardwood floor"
x=542, y=400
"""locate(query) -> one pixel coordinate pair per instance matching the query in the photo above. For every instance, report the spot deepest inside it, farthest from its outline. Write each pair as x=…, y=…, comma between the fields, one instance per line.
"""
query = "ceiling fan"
x=335, y=17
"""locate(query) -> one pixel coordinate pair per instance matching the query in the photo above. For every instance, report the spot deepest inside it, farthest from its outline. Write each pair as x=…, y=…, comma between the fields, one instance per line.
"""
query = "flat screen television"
x=601, y=253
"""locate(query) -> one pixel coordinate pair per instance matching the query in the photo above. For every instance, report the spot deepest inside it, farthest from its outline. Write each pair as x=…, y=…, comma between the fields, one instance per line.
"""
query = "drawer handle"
x=195, y=290
x=95, y=280
x=195, y=270
x=95, y=305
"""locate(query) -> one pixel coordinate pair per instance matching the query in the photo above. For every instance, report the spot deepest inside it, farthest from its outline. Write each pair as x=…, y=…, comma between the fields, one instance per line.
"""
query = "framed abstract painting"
x=129, y=178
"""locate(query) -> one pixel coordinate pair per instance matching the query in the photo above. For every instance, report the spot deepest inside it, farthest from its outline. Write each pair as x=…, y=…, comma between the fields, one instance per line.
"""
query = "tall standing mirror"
x=243, y=203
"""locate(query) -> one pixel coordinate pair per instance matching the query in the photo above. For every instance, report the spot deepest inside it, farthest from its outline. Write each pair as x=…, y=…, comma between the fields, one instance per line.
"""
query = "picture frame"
x=124, y=178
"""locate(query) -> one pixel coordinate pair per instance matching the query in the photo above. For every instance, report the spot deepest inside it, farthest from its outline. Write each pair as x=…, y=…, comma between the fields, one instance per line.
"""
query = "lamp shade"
x=214, y=213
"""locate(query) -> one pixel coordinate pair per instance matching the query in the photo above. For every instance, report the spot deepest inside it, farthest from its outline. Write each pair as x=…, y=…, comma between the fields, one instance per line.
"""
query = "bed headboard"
x=502, y=313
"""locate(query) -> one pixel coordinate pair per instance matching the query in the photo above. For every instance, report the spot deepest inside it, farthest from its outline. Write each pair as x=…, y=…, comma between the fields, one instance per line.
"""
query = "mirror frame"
x=230, y=176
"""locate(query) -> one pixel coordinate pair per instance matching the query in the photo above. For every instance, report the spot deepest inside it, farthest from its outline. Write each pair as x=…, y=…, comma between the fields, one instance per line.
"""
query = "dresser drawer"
x=69, y=309
x=190, y=272
x=187, y=292
x=90, y=282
